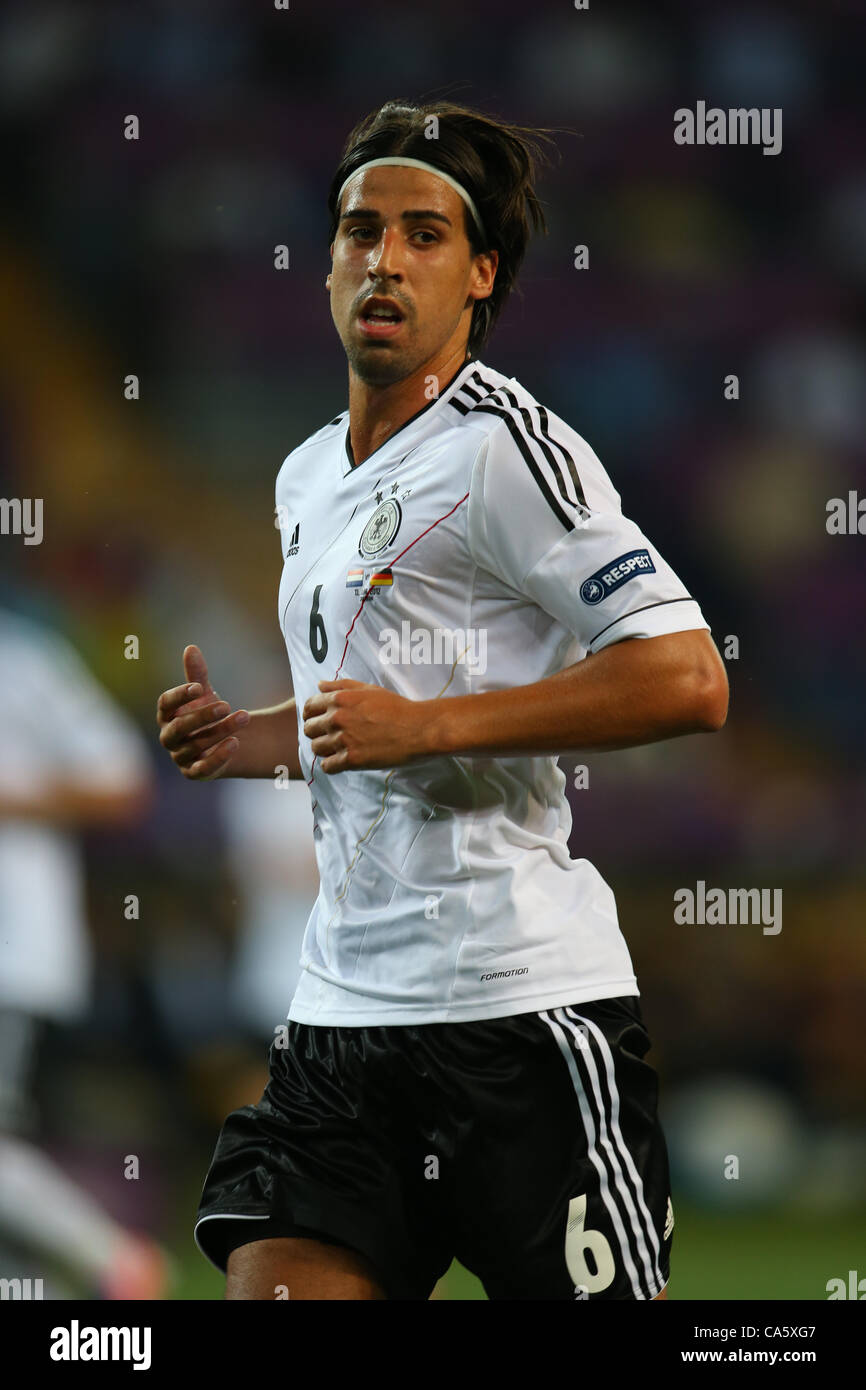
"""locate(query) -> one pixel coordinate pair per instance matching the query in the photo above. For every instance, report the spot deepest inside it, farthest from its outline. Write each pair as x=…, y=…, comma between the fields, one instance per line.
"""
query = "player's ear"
x=485, y=274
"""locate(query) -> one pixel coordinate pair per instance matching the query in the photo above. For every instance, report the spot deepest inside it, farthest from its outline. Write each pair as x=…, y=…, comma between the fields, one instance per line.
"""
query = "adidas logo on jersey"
x=281, y=521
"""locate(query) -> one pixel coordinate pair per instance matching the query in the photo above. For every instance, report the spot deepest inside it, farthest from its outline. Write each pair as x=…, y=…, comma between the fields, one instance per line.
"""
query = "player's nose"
x=385, y=262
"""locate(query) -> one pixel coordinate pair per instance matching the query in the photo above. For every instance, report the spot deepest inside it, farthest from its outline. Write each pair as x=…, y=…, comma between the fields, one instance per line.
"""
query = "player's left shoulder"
x=529, y=447
x=554, y=440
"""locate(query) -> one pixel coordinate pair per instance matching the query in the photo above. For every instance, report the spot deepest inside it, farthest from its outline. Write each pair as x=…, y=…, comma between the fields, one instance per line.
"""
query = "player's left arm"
x=652, y=670
x=636, y=691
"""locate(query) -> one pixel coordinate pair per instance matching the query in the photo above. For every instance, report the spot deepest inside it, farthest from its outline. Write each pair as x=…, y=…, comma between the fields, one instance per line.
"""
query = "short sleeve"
x=544, y=518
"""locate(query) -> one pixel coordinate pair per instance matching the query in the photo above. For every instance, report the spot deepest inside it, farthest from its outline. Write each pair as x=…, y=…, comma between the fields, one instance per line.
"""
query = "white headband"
x=419, y=164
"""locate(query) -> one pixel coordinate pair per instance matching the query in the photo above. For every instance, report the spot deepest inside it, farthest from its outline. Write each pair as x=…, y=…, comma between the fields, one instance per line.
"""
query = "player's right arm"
x=207, y=740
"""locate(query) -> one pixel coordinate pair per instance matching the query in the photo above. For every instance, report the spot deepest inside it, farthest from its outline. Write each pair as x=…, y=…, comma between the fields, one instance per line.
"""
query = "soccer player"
x=462, y=1072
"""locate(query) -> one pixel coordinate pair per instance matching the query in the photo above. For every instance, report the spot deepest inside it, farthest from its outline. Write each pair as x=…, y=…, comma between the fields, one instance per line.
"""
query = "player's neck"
x=377, y=412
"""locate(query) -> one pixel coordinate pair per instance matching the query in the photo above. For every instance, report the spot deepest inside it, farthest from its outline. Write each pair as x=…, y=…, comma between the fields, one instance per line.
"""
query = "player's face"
x=402, y=237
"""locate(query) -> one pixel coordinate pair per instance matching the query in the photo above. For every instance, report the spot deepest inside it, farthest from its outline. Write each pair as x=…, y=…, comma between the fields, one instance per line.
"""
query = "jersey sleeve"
x=544, y=518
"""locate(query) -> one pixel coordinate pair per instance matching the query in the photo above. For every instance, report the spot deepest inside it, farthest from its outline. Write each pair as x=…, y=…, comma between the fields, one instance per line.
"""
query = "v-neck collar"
x=453, y=385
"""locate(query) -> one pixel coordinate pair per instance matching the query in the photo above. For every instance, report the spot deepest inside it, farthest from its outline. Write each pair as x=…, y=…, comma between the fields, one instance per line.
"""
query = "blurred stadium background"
x=155, y=257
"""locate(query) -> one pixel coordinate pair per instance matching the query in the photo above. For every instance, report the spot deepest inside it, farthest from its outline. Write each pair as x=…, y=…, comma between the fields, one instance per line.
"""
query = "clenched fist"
x=352, y=726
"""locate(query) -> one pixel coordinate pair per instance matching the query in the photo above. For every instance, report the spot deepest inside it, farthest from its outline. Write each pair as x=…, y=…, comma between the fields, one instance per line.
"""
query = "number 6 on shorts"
x=577, y=1242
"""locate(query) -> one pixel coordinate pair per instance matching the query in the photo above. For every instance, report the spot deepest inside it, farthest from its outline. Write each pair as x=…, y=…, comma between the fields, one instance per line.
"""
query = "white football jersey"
x=481, y=547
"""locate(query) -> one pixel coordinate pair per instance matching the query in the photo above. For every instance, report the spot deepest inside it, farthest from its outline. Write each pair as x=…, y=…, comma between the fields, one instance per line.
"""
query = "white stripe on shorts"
x=604, y=1138
x=642, y=1221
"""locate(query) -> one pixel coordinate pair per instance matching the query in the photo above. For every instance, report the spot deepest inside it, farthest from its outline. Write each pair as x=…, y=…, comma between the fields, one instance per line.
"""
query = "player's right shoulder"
x=323, y=438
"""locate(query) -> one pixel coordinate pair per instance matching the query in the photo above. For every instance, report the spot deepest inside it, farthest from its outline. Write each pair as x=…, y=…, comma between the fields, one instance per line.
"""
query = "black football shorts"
x=526, y=1147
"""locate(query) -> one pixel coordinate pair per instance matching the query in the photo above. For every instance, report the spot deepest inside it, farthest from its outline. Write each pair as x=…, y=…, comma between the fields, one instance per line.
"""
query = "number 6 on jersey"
x=318, y=635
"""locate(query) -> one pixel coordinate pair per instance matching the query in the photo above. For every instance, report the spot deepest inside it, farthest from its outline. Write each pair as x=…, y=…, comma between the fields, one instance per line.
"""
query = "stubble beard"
x=378, y=364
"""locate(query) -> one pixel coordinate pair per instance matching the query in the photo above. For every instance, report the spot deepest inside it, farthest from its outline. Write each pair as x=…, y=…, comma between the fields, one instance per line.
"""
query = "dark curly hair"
x=496, y=163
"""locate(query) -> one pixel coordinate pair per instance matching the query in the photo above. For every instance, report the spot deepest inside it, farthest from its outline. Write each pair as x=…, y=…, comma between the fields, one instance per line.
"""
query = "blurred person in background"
x=70, y=760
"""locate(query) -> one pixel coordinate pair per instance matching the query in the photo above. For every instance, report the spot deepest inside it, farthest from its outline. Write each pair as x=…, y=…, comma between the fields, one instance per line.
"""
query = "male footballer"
x=462, y=1071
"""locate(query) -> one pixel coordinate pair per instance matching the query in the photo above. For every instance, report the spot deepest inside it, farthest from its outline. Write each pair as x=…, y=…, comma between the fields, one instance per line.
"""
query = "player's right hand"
x=196, y=726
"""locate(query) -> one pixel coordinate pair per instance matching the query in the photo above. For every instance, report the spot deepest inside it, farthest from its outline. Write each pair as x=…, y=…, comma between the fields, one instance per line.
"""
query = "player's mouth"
x=380, y=318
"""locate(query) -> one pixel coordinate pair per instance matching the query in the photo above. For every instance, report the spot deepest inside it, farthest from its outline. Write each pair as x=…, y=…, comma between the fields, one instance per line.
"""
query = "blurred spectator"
x=69, y=760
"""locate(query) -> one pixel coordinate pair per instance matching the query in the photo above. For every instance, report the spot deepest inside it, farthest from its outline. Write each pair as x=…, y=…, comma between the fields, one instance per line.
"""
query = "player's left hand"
x=352, y=725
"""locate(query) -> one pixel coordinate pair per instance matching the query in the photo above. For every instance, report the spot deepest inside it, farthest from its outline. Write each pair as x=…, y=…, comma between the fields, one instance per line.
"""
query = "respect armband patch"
x=614, y=575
